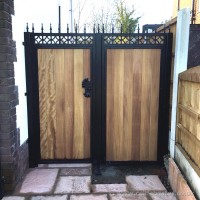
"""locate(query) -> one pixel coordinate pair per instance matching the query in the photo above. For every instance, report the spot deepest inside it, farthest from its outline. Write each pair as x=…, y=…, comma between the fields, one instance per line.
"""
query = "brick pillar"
x=9, y=134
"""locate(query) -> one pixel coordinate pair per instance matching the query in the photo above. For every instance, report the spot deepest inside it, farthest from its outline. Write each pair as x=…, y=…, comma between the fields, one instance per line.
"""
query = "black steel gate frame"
x=1, y=184
x=98, y=43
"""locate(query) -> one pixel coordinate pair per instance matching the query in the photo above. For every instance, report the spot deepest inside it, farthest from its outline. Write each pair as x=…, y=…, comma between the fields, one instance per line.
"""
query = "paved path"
x=73, y=182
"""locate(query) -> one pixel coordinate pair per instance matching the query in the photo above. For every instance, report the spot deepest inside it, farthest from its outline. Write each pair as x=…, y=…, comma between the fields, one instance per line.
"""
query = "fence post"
x=180, y=65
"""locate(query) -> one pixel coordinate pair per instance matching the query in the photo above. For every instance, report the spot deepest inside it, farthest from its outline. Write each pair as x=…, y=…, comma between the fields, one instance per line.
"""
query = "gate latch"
x=88, y=87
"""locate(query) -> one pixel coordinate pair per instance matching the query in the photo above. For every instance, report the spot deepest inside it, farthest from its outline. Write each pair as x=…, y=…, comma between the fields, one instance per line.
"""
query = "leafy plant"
x=126, y=22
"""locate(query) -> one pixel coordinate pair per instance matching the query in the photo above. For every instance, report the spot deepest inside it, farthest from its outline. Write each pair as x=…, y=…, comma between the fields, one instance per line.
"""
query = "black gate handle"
x=88, y=87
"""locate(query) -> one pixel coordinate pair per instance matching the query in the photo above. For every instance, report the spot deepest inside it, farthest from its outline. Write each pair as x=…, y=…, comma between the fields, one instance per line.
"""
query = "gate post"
x=180, y=65
x=97, y=101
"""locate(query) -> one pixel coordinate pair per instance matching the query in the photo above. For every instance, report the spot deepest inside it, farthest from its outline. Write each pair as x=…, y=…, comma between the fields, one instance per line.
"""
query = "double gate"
x=97, y=97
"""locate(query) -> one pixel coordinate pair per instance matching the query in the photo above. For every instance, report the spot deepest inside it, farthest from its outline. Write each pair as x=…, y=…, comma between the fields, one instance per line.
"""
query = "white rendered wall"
x=37, y=12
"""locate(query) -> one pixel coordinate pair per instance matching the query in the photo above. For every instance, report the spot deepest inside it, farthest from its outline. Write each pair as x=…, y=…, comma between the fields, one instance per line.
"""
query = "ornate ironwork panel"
x=134, y=39
x=108, y=39
x=64, y=39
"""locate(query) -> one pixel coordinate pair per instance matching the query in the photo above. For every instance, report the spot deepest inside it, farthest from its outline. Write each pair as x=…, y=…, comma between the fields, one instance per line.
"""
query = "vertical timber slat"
x=145, y=107
x=47, y=95
x=69, y=100
x=86, y=105
x=128, y=99
x=155, y=82
x=78, y=104
x=137, y=82
x=60, y=105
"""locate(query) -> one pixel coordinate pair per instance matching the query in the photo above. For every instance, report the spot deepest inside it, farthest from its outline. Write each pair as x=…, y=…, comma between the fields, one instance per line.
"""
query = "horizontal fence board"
x=190, y=112
x=189, y=143
x=191, y=75
x=194, y=165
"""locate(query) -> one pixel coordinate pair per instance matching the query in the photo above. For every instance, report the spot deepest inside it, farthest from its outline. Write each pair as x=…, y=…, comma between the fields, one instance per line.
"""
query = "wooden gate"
x=97, y=97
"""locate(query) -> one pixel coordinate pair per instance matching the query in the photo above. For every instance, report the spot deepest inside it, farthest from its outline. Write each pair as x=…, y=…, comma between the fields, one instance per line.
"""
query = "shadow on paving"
x=109, y=174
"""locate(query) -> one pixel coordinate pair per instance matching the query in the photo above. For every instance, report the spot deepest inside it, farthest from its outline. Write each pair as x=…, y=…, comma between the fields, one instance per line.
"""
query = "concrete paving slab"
x=69, y=165
x=73, y=184
x=145, y=183
x=39, y=181
x=43, y=166
x=76, y=171
x=13, y=198
x=89, y=197
x=109, y=188
x=55, y=197
x=162, y=196
x=128, y=196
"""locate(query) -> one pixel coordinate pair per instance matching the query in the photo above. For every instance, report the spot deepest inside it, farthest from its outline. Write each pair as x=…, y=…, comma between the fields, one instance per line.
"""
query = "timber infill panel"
x=132, y=101
x=64, y=112
x=126, y=116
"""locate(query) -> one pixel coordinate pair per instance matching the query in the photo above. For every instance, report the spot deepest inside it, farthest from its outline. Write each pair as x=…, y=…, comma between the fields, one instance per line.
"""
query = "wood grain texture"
x=69, y=102
x=64, y=111
x=191, y=75
x=136, y=104
x=132, y=101
x=47, y=97
x=154, y=103
x=188, y=117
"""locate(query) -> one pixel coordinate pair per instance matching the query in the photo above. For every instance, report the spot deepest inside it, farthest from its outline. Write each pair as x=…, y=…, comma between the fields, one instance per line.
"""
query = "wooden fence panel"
x=188, y=114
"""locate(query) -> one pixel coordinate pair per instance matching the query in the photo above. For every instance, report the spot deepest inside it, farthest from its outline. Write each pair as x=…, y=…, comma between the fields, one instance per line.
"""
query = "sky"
x=151, y=11
x=41, y=11
x=154, y=11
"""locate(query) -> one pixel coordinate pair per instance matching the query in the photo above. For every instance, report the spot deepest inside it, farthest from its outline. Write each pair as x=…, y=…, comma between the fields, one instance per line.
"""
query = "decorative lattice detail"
x=134, y=39
x=109, y=39
x=64, y=39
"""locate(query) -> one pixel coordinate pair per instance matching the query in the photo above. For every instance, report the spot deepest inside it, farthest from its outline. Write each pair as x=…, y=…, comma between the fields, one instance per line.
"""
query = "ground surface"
x=77, y=182
x=117, y=173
